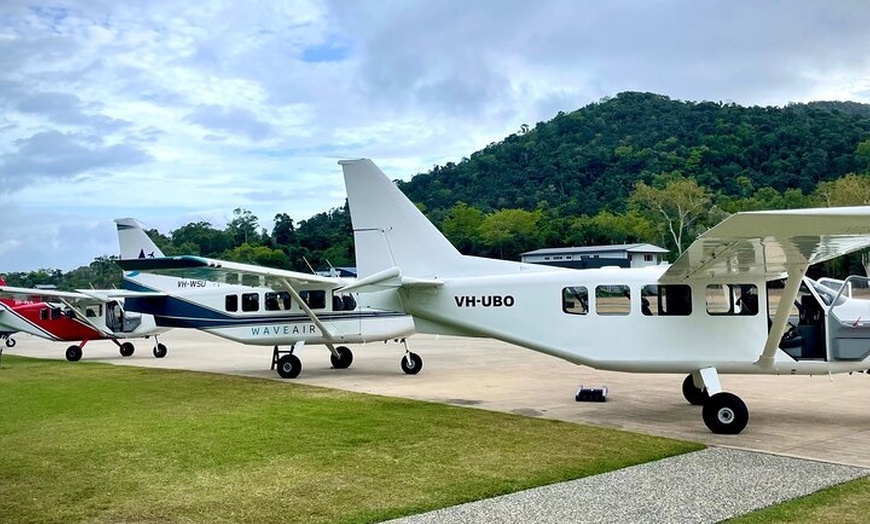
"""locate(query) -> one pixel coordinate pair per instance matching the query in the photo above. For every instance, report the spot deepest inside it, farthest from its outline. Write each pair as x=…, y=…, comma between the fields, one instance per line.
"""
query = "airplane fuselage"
x=598, y=317
x=262, y=315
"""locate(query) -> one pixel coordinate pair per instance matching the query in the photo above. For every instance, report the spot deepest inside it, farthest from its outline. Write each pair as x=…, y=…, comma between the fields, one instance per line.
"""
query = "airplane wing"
x=223, y=271
x=771, y=244
x=97, y=295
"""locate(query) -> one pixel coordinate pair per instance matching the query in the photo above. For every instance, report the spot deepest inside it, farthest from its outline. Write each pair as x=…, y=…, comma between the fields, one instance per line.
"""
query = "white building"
x=622, y=255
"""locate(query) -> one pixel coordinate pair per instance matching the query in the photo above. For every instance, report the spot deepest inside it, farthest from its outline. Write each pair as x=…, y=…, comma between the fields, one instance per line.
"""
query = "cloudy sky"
x=173, y=112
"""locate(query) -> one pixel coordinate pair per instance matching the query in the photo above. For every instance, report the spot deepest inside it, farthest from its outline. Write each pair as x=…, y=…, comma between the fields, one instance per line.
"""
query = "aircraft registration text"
x=484, y=301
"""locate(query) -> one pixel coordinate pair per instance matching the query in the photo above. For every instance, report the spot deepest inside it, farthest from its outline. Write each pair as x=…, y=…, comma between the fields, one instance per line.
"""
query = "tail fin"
x=2, y=281
x=134, y=242
x=388, y=229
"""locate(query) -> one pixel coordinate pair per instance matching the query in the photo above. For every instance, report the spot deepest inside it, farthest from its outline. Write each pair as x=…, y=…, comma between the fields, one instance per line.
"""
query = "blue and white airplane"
x=255, y=305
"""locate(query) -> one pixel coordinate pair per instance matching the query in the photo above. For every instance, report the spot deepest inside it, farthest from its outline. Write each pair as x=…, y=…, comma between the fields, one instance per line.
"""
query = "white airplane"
x=700, y=315
x=256, y=305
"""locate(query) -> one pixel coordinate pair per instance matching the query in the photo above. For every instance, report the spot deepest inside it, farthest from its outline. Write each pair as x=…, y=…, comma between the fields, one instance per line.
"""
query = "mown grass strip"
x=91, y=442
x=845, y=503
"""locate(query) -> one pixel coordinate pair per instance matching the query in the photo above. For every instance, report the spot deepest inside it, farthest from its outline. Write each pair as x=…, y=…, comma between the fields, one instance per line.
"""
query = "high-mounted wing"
x=770, y=244
x=224, y=271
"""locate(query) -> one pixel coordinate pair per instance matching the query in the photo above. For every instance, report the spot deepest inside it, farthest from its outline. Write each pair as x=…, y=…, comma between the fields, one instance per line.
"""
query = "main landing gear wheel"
x=725, y=414
x=127, y=349
x=159, y=351
x=412, y=363
x=289, y=366
x=74, y=353
x=344, y=358
x=10, y=342
x=695, y=396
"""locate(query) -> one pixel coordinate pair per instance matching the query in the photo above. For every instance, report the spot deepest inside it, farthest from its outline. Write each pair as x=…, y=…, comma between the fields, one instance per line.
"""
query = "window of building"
x=613, y=299
x=277, y=301
x=575, y=300
x=647, y=258
x=231, y=303
x=250, y=301
x=732, y=299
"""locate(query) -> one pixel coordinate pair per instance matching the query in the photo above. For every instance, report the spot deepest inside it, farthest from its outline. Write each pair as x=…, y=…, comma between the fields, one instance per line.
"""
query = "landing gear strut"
x=411, y=362
x=286, y=362
x=724, y=413
x=159, y=350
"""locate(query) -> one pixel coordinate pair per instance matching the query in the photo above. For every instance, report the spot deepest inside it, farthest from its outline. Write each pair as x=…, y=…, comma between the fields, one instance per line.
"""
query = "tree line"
x=638, y=167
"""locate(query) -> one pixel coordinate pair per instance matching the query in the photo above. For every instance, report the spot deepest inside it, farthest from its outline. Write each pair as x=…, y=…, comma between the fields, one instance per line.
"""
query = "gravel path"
x=705, y=486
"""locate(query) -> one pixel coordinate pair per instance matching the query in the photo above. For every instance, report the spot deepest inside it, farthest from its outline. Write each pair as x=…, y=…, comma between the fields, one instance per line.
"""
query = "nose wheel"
x=411, y=363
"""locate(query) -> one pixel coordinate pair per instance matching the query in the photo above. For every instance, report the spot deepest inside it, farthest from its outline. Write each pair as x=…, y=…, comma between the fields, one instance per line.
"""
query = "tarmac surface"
x=821, y=418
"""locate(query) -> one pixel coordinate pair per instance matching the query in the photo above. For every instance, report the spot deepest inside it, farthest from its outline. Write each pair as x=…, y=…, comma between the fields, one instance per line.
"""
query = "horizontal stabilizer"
x=388, y=279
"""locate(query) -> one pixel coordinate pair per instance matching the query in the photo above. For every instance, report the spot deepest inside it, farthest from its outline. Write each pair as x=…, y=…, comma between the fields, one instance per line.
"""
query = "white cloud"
x=175, y=112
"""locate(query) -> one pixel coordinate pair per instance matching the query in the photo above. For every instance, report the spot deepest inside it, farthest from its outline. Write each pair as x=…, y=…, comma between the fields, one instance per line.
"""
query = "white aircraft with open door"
x=700, y=316
x=256, y=305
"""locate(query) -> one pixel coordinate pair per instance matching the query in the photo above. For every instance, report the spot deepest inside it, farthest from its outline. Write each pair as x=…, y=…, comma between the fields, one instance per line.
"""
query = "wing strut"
x=793, y=284
x=82, y=317
x=320, y=325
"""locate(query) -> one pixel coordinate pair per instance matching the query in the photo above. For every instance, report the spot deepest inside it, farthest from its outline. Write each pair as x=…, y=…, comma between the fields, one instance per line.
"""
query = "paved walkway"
x=706, y=486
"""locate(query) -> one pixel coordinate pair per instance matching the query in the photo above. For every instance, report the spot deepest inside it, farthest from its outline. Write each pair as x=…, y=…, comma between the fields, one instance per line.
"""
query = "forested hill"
x=637, y=167
x=590, y=159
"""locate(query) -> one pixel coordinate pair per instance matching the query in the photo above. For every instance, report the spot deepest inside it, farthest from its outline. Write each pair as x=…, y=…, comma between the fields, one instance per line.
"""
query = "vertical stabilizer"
x=134, y=242
x=388, y=229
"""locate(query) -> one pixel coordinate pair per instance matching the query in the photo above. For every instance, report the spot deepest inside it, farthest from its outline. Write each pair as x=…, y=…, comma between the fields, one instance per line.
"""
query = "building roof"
x=630, y=248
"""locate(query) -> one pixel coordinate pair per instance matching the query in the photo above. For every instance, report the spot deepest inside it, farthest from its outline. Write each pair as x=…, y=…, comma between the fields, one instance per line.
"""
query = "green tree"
x=243, y=227
x=678, y=204
x=462, y=227
x=509, y=232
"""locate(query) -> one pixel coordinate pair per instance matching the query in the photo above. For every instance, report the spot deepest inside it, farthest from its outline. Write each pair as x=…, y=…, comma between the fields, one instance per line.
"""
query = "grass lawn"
x=844, y=504
x=91, y=442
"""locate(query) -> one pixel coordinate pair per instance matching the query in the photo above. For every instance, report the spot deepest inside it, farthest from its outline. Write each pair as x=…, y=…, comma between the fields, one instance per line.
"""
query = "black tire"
x=74, y=353
x=289, y=366
x=725, y=414
x=412, y=364
x=695, y=396
x=344, y=358
x=160, y=351
x=10, y=342
x=127, y=349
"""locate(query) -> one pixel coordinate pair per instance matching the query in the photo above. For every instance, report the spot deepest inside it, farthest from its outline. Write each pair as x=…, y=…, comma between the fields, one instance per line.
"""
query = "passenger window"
x=575, y=300
x=43, y=314
x=666, y=300
x=250, y=301
x=277, y=301
x=613, y=300
x=732, y=299
x=315, y=299
x=231, y=303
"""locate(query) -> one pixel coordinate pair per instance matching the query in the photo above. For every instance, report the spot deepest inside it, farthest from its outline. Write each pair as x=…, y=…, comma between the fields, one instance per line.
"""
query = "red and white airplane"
x=79, y=316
